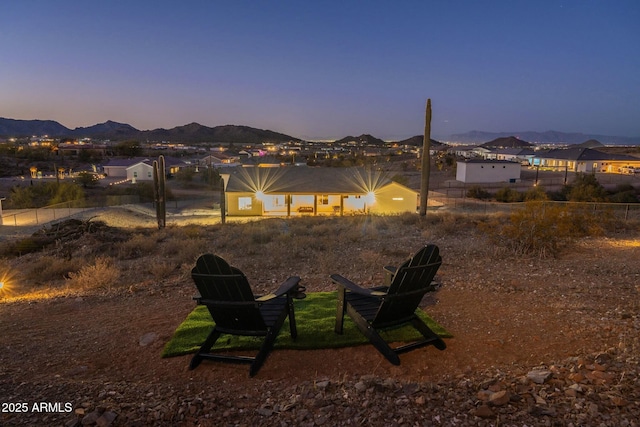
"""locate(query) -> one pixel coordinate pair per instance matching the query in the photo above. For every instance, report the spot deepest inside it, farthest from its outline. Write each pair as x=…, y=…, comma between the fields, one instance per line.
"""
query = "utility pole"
x=426, y=161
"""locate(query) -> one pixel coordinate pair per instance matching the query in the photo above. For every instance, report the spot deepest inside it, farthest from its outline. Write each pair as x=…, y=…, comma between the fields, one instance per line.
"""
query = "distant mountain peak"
x=480, y=137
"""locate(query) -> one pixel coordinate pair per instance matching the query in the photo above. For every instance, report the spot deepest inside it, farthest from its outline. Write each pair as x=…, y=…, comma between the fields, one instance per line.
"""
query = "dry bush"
x=542, y=229
x=160, y=268
x=102, y=274
x=138, y=245
x=181, y=252
x=47, y=268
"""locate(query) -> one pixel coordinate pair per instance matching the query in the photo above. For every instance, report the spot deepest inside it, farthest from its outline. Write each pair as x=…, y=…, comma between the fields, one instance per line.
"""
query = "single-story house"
x=219, y=159
x=476, y=171
x=581, y=159
x=302, y=190
x=140, y=168
x=511, y=154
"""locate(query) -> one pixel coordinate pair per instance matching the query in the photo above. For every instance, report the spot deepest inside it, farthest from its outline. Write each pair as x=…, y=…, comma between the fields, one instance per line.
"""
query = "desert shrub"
x=66, y=192
x=160, y=268
x=536, y=193
x=624, y=193
x=542, y=229
x=102, y=274
x=585, y=188
x=21, y=198
x=138, y=245
x=47, y=268
x=144, y=190
x=188, y=251
x=508, y=195
x=87, y=179
x=477, y=192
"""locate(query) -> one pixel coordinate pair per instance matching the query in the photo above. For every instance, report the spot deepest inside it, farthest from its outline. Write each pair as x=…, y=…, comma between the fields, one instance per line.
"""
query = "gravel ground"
x=536, y=342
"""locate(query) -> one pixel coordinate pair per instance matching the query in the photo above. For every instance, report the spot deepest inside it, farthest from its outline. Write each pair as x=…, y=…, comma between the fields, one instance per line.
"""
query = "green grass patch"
x=315, y=320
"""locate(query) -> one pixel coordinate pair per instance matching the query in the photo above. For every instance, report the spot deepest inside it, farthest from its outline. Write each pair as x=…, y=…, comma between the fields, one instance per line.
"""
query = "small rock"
x=106, y=419
x=484, y=411
x=322, y=384
x=539, y=376
x=500, y=398
x=147, y=339
x=484, y=395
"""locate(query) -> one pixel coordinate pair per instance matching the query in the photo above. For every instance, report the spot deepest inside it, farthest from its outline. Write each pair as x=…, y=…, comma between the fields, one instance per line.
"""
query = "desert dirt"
x=536, y=342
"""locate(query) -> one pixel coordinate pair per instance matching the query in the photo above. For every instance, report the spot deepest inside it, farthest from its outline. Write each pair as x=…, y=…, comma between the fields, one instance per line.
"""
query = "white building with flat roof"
x=480, y=171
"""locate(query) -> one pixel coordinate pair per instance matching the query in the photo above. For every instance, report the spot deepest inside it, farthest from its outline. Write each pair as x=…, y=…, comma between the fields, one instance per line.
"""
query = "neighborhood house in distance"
x=292, y=191
x=499, y=160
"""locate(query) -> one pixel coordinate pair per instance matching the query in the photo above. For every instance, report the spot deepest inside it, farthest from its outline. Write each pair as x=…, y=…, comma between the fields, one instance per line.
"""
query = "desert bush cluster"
x=585, y=188
x=109, y=259
x=544, y=229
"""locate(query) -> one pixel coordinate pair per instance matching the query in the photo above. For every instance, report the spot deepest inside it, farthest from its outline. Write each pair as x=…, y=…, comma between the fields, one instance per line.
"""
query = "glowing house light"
x=370, y=198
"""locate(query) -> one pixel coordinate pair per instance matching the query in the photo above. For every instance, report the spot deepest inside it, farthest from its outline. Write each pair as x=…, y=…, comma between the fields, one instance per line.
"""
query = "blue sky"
x=326, y=69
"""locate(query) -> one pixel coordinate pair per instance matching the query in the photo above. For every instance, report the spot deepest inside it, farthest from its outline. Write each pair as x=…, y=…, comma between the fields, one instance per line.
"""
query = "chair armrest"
x=389, y=273
x=390, y=269
x=348, y=284
x=289, y=285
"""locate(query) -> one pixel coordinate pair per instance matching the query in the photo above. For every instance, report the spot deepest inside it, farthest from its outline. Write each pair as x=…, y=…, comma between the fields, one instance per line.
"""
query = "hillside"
x=418, y=141
x=114, y=131
x=479, y=137
x=363, y=139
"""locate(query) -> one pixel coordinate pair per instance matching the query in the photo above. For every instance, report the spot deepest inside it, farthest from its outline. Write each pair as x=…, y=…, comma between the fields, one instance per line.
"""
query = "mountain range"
x=479, y=137
x=194, y=132
x=115, y=131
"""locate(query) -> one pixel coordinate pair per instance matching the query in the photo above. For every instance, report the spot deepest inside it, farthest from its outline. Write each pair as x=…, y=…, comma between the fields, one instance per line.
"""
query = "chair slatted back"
x=227, y=294
x=411, y=281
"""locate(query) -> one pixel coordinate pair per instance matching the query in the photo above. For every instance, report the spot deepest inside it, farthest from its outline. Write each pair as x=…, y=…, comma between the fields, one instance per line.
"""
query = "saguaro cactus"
x=159, y=191
x=426, y=161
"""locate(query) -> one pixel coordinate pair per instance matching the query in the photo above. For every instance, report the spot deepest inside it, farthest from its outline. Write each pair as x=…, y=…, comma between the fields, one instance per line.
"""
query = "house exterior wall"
x=390, y=199
x=394, y=198
x=487, y=172
x=243, y=204
x=115, y=171
x=140, y=171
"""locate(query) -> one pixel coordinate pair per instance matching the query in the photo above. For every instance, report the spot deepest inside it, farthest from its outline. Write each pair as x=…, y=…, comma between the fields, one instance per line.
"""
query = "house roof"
x=125, y=163
x=485, y=161
x=581, y=153
x=514, y=151
x=303, y=179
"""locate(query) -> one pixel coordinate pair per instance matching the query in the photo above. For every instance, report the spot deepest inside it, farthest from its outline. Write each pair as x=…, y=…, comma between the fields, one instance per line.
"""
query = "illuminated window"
x=324, y=199
x=244, y=203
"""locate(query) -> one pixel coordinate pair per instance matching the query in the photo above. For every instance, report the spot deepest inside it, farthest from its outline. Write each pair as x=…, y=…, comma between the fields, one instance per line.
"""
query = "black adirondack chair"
x=235, y=310
x=373, y=309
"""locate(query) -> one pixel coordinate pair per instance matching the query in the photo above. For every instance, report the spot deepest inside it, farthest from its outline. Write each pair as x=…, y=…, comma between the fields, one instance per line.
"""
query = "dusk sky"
x=326, y=69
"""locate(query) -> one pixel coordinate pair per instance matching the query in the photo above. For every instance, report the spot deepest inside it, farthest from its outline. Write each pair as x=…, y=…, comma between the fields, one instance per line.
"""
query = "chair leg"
x=292, y=318
x=374, y=338
x=204, y=348
x=340, y=310
x=267, y=345
x=428, y=334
